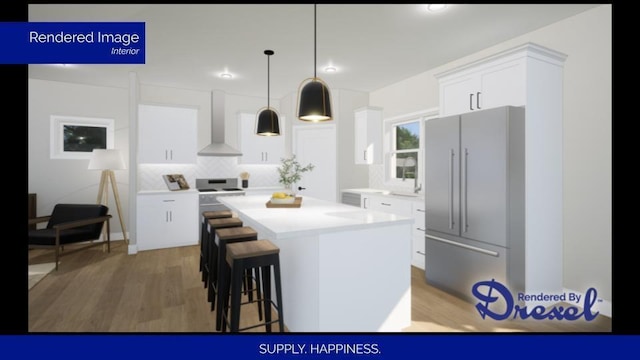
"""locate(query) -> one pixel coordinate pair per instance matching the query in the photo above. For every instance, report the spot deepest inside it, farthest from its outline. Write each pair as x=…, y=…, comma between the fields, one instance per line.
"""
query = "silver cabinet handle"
x=170, y=216
x=166, y=216
x=421, y=253
x=464, y=246
x=470, y=101
x=450, y=188
x=385, y=204
x=421, y=229
x=171, y=152
x=168, y=200
x=266, y=156
x=166, y=154
x=420, y=210
x=365, y=155
x=478, y=100
x=465, y=224
x=364, y=202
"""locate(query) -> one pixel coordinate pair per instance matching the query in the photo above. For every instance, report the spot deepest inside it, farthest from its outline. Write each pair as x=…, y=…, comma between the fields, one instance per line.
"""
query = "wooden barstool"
x=246, y=255
x=223, y=237
x=211, y=248
x=204, y=236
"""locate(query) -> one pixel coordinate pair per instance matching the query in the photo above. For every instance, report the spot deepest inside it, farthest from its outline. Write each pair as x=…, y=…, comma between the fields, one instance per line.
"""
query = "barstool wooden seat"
x=223, y=237
x=246, y=255
x=204, y=234
x=211, y=250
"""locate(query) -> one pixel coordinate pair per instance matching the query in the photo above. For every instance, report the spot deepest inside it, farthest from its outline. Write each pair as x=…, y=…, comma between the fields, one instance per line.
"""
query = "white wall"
x=67, y=180
x=587, y=40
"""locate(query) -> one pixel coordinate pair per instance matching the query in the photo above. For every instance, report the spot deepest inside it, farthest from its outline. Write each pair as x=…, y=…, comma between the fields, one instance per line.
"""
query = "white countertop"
x=313, y=217
x=404, y=195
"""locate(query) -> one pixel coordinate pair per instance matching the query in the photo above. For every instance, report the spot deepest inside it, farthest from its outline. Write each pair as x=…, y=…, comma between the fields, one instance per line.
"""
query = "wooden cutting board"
x=296, y=204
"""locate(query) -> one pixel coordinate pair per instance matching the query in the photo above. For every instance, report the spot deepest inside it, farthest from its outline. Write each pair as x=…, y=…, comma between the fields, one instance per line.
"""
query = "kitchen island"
x=343, y=269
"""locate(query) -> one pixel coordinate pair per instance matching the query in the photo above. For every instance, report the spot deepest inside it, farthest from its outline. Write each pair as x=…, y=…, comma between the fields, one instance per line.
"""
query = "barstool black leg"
x=266, y=282
x=213, y=273
x=276, y=274
x=256, y=274
x=236, y=293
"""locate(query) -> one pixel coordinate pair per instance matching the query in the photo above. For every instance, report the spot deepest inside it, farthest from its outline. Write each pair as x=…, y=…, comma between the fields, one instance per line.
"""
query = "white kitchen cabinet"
x=493, y=82
x=257, y=149
x=418, y=241
x=167, y=219
x=390, y=205
x=368, y=135
x=167, y=134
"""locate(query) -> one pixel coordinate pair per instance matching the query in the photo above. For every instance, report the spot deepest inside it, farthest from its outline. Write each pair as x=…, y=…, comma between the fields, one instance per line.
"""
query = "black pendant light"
x=267, y=123
x=314, y=98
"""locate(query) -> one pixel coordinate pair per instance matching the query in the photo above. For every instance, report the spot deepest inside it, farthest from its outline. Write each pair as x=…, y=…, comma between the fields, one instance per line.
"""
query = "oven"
x=212, y=189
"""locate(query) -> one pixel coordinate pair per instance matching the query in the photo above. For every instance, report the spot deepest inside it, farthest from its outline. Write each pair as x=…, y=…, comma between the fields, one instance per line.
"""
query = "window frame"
x=390, y=125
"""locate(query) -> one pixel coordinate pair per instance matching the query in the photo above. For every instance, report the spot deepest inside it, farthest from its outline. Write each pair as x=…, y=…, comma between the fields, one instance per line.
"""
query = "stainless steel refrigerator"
x=474, y=199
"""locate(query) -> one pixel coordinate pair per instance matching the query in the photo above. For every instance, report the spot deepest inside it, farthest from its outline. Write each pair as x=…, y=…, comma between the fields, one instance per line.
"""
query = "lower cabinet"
x=418, y=247
x=166, y=219
x=408, y=208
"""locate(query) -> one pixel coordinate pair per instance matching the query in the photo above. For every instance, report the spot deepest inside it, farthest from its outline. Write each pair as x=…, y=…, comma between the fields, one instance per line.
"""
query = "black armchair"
x=68, y=224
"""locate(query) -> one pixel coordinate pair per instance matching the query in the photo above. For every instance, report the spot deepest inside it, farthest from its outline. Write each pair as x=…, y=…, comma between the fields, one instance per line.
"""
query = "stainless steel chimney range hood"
x=218, y=147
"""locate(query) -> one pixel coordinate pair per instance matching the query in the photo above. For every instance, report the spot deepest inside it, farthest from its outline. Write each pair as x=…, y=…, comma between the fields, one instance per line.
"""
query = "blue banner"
x=316, y=346
x=72, y=42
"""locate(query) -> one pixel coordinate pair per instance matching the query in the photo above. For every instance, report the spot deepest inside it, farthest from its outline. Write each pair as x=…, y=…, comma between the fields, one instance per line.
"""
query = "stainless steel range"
x=211, y=189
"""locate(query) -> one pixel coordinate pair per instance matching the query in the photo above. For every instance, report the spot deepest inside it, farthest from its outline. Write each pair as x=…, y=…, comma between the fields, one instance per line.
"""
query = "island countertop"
x=313, y=217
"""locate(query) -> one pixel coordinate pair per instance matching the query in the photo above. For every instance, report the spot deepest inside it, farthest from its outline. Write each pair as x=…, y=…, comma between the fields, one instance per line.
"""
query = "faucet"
x=410, y=161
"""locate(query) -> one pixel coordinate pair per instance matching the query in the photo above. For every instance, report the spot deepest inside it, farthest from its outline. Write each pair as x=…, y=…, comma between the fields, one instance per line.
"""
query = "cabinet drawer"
x=456, y=266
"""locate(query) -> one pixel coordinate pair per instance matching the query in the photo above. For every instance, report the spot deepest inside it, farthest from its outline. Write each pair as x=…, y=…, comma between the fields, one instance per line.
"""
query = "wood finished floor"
x=161, y=291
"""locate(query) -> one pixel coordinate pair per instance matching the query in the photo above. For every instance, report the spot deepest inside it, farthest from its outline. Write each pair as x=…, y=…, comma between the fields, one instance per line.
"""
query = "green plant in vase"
x=291, y=172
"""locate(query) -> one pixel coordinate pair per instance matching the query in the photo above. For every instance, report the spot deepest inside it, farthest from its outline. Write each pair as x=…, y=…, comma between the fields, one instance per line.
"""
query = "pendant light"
x=314, y=98
x=267, y=123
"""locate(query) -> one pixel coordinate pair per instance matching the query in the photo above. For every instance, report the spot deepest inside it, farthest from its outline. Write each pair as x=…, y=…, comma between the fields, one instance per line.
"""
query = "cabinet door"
x=459, y=95
x=442, y=174
x=167, y=220
x=258, y=149
x=483, y=146
x=503, y=85
x=167, y=134
x=368, y=136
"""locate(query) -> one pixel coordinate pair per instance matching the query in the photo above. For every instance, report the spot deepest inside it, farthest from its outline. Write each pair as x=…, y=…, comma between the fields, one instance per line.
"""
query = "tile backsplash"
x=150, y=175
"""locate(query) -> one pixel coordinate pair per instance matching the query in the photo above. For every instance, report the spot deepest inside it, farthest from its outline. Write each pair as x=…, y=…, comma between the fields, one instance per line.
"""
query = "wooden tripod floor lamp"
x=109, y=160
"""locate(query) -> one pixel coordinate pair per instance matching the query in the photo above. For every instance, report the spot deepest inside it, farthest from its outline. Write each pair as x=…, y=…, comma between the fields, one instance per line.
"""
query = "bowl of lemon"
x=282, y=198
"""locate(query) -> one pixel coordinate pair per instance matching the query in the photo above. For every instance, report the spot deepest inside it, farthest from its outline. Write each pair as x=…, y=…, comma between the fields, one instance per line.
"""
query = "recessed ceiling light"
x=226, y=75
x=436, y=7
x=330, y=69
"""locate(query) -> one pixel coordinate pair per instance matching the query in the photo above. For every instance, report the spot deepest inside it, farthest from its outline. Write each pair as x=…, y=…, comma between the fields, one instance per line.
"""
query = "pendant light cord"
x=315, y=46
x=268, y=80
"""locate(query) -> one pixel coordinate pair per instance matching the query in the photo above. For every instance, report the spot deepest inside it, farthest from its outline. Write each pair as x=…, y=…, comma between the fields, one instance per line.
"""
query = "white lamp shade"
x=106, y=159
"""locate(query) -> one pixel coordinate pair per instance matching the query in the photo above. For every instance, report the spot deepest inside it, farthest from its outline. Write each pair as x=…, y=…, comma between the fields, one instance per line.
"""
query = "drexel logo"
x=497, y=303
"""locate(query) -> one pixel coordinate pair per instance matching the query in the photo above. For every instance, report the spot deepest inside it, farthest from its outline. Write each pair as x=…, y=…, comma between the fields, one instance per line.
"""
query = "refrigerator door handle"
x=450, y=188
x=465, y=246
x=465, y=224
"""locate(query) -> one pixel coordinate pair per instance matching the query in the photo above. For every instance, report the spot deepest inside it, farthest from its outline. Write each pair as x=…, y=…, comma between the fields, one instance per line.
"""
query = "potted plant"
x=291, y=172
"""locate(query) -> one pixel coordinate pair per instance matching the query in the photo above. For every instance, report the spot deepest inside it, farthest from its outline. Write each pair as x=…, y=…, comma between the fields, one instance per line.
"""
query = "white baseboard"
x=132, y=249
x=603, y=306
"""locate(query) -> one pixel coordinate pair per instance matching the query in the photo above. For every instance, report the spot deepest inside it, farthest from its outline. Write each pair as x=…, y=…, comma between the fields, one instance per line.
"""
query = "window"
x=405, y=148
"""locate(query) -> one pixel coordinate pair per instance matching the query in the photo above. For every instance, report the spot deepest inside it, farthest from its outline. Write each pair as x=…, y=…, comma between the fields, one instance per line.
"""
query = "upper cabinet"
x=167, y=134
x=368, y=135
x=492, y=82
x=257, y=149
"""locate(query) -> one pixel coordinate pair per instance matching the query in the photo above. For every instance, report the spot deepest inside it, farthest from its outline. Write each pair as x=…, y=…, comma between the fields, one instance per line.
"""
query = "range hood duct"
x=218, y=147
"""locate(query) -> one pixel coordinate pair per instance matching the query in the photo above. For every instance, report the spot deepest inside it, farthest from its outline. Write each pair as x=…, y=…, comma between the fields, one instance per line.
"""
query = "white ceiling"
x=372, y=46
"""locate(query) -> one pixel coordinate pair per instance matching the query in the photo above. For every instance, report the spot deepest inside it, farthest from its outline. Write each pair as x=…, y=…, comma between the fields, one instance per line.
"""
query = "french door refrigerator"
x=474, y=199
